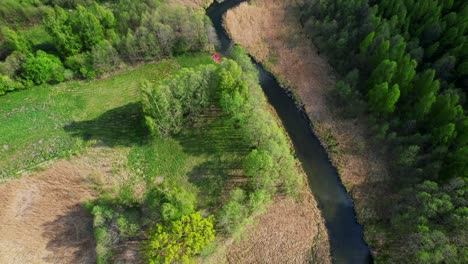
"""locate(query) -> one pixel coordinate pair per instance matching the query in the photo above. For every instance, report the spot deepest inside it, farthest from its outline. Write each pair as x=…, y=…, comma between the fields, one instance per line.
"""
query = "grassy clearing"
x=200, y=161
x=49, y=122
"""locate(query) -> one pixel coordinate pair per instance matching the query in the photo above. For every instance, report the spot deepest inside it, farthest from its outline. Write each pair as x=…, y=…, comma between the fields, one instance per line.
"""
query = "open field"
x=271, y=32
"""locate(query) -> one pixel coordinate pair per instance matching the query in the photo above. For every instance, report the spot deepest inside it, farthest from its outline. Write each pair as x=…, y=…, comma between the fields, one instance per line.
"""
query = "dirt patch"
x=41, y=217
x=284, y=234
x=270, y=31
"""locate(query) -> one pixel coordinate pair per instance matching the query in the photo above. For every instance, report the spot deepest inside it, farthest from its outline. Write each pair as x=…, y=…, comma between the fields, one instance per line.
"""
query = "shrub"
x=43, y=68
x=7, y=85
x=234, y=212
x=104, y=58
x=171, y=204
x=82, y=65
x=128, y=223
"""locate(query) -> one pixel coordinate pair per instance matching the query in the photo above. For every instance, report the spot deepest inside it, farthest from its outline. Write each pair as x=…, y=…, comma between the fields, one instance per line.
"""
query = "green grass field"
x=56, y=121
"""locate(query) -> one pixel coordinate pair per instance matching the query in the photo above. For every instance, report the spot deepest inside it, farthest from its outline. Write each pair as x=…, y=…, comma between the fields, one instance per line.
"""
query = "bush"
x=43, y=68
x=8, y=85
x=234, y=212
x=171, y=204
x=82, y=65
x=104, y=58
x=12, y=64
x=128, y=224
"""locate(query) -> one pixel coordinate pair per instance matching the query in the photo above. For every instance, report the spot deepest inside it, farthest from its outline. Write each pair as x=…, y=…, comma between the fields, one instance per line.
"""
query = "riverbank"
x=289, y=231
x=271, y=32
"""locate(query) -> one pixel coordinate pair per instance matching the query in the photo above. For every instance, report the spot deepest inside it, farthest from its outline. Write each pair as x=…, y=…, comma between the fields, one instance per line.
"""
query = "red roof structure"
x=216, y=57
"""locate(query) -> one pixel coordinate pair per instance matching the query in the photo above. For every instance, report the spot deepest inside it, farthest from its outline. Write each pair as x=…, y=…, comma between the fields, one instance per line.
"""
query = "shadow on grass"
x=225, y=148
x=121, y=126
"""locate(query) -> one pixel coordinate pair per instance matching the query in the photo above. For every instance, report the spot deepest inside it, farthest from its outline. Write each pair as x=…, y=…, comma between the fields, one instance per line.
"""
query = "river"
x=346, y=235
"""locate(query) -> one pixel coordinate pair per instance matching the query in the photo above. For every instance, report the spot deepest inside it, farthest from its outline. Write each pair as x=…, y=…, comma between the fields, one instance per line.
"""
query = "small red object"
x=216, y=57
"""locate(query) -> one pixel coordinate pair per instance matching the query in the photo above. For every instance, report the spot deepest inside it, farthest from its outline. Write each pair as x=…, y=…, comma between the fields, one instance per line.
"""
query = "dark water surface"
x=346, y=235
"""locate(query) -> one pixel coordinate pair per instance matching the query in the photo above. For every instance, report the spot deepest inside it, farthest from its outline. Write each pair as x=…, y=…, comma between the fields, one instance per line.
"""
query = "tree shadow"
x=224, y=146
x=71, y=237
x=213, y=135
x=121, y=126
x=210, y=178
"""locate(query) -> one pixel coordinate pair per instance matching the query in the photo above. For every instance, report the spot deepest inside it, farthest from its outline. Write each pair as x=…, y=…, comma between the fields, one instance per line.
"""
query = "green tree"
x=382, y=99
x=86, y=25
x=59, y=27
x=163, y=113
x=424, y=94
x=383, y=73
x=181, y=241
x=259, y=165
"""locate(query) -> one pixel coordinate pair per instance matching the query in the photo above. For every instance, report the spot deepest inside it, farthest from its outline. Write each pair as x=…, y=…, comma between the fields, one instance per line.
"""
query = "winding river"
x=346, y=235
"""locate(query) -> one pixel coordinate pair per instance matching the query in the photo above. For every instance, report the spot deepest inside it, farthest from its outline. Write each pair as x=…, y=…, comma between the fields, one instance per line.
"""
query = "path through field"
x=41, y=216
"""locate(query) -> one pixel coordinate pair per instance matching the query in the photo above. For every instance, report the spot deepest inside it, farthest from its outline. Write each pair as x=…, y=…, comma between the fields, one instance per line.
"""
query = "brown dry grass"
x=271, y=32
x=284, y=234
x=41, y=217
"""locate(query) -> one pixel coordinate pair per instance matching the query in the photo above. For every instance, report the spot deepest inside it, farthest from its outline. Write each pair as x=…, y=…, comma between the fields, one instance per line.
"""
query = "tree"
x=260, y=167
x=163, y=113
x=424, y=93
x=445, y=110
x=181, y=240
x=383, y=73
x=59, y=27
x=86, y=25
x=383, y=99
x=104, y=58
x=233, y=213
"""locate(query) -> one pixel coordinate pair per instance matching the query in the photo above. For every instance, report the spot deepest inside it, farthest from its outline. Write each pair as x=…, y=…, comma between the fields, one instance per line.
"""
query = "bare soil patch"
x=271, y=32
x=41, y=216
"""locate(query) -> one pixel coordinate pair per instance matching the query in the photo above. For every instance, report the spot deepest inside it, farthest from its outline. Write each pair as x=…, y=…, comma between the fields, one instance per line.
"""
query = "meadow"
x=56, y=121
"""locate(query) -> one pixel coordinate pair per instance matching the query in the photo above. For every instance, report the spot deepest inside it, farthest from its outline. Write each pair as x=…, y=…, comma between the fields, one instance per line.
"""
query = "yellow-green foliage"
x=181, y=241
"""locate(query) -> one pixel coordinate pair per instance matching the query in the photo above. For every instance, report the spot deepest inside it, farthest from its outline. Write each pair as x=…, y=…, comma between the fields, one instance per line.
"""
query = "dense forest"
x=404, y=66
x=49, y=41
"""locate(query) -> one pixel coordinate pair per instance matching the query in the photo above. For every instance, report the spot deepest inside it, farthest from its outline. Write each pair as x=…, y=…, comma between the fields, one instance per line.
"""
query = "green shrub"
x=128, y=223
x=43, y=68
x=171, y=204
x=8, y=85
x=82, y=65
x=234, y=212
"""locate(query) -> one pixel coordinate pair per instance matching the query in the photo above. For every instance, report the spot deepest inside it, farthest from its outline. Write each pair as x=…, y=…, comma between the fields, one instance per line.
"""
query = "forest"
x=403, y=66
x=51, y=41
